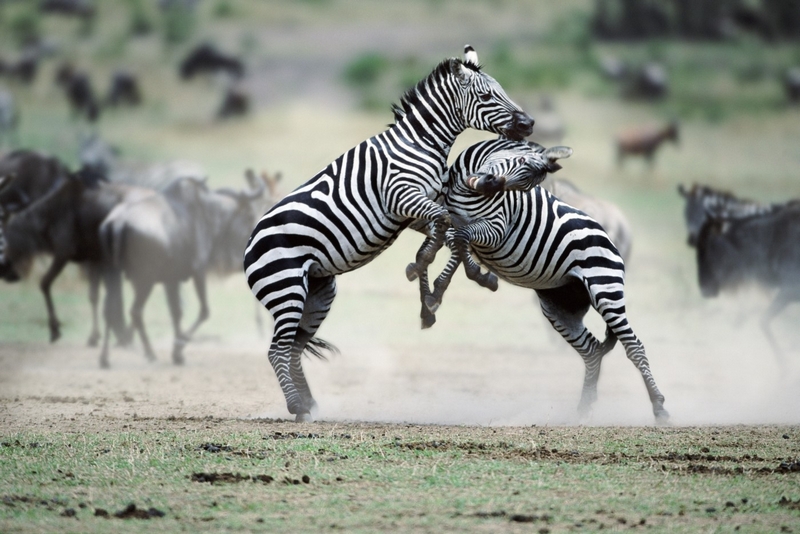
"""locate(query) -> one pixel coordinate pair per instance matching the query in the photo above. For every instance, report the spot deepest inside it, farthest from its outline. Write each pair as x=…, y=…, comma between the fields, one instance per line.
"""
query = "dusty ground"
x=490, y=360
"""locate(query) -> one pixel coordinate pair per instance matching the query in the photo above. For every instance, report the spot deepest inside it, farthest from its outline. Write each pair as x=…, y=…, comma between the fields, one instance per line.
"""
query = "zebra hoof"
x=490, y=282
x=303, y=418
x=411, y=272
x=662, y=417
x=428, y=321
x=432, y=303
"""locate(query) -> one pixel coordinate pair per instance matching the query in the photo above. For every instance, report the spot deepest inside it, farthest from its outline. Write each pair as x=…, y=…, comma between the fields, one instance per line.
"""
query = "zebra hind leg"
x=321, y=292
x=614, y=316
x=565, y=308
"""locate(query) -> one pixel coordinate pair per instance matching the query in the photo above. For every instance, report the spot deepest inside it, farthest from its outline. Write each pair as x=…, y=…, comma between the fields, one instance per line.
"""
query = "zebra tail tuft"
x=318, y=347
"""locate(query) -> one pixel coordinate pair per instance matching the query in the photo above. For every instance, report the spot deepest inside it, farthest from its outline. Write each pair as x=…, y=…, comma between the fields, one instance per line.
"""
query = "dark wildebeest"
x=791, y=84
x=702, y=201
x=79, y=92
x=185, y=231
x=205, y=58
x=34, y=175
x=763, y=248
x=9, y=117
x=64, y=223
x=645, y=141
x=648, y=82
x=77, y=8
x=236, y=102
x=24, y=69
x=124, y=89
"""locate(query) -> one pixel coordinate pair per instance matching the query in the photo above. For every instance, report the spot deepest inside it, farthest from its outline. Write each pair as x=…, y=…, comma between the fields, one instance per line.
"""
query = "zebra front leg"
x=430, y=246
x=440, y=285
x=488, y=279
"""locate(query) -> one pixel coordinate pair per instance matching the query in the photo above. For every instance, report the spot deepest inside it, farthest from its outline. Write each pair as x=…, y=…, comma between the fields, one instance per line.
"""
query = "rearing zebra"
x=529, y=238
x=356, y=207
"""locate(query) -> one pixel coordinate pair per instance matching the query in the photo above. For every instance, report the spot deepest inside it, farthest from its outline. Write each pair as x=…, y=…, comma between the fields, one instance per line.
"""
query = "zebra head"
x=519, y=168
x=484, y=103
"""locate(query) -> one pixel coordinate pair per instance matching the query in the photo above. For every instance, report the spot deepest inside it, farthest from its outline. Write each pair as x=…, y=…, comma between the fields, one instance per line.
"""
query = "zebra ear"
x=557, y=152
x=470, y=55
x=554, y=153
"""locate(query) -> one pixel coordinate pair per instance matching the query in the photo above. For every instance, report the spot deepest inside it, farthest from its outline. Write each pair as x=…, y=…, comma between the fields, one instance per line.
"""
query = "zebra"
x=356, y=207
x=529, y=238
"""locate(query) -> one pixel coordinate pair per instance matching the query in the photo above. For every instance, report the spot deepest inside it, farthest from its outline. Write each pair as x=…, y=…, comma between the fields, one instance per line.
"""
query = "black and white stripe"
x=529, y=238
x=356, y=207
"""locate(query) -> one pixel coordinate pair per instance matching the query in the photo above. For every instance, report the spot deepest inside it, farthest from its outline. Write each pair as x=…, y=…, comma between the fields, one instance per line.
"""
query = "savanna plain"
x=470, y=425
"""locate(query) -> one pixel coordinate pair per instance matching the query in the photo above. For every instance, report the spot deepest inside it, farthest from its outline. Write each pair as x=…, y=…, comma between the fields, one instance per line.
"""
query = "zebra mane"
x=411, y=96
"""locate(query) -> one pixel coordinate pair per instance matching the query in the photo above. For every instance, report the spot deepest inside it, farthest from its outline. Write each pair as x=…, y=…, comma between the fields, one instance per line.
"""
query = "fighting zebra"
x=352, y=210
x=531, y=239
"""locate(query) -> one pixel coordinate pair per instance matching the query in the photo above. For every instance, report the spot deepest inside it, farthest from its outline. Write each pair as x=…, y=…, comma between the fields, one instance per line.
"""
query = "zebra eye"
x=521, y=160
x=485, y=97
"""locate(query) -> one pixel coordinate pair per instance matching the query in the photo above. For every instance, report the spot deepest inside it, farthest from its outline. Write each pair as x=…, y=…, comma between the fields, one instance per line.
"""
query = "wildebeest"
x=762, y=248
x=205, y=58
x=185, y=231
x=78, y=89
x=791, y=84
x=703, y=201
x=78, y=8
x=24, y=69
x=604, y=212
x=649, y=82
x=645, y=141
x=34, y=175
x=9, y=117
x=97, y=153
x=64, y=223
x=124, y=89
x=236, y=102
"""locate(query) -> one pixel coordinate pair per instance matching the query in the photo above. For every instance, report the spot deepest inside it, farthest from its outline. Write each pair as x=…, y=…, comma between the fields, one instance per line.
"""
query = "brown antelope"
x=645, y=141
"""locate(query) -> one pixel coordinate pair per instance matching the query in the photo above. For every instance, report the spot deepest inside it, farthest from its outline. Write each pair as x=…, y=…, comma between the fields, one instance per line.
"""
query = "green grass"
x=368, y=478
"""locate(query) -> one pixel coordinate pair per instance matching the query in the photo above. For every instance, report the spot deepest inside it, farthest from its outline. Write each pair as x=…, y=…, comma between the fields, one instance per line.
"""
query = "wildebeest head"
x=703, y=202
x=715, y=269
x=516, y=169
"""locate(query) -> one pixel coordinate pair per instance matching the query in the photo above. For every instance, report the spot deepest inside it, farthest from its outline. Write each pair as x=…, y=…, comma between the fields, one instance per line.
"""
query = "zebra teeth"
x=471, y=181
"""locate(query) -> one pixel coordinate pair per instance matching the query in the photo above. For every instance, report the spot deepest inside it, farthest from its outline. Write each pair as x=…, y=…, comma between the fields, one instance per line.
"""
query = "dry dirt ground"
x=490, y=360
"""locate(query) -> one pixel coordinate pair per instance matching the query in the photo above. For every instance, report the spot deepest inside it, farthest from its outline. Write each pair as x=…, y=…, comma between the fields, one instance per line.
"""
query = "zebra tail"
x=318, y=347
x=608, y=343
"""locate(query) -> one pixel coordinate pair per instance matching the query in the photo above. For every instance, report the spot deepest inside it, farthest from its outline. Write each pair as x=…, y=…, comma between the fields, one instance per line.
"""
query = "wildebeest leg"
x=141, y=292
x=93, y=273
x=46, y=282
x=565, y=308
x=172, y=289
x=199, y=281
x=782, y=299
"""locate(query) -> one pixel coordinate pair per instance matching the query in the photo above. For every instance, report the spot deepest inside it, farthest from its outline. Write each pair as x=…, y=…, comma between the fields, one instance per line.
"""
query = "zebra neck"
x=426, y=129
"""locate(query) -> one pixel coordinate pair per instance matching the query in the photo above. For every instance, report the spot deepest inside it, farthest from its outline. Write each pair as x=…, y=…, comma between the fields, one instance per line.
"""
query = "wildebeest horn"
x=256, y=185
